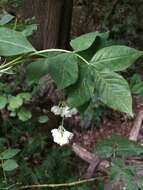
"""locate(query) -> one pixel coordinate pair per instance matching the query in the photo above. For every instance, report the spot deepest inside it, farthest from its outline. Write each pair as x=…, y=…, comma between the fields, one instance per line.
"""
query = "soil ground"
x=113, y=123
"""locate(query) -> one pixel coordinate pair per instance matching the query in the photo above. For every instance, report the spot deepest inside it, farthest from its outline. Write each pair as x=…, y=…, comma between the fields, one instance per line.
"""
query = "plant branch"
x=62, y=184
x=136, y=126
x=95, y=163
x=11, y=63
x=84, y=154
x=50, y=50
x=59, y=50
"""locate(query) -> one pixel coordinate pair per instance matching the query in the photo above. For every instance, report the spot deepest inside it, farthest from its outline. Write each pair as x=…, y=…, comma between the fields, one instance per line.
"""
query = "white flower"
x=64, y=111
x=74, y=111
x=56, y=110
x=61, y=136
x=68, y=112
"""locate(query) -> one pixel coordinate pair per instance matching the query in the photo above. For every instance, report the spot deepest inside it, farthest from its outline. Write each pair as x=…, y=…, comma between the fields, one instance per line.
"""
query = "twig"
x=84, y=154
x=62, y=184
x=88, y=157
x=136, y=126
x=9, y=187
x=91, y=169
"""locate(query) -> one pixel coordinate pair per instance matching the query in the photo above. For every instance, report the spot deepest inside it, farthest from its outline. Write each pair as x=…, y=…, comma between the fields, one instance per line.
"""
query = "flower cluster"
x=64, y=111
x=61, y=136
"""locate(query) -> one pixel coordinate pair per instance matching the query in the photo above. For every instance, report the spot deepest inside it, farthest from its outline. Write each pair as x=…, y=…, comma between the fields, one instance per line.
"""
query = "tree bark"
x=53, y=18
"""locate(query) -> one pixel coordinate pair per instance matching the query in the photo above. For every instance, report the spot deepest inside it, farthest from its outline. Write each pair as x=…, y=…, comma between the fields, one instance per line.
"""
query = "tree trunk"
x=53, y=18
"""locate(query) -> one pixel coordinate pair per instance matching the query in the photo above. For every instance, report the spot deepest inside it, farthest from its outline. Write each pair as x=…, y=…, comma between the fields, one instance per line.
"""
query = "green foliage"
x=5, y=18
x=118, y=146
x=8, y=164
x=85, y=41
x=136, y=85
x=92, y=113
x=82, y=91
x=29, y=29
x=18, y=106
x=85, y=81
x=25, y=96
x=115, y=58
x=3, y=102
x=14, y=102
x=9, y=153
x=118, y=149
x=64, y=69
x=123, y=19
x=24, y=114
x=36, y=70
x=96, y=75
x=13, y=43
x=123, y=175
x=113, y=91
x=43, y=119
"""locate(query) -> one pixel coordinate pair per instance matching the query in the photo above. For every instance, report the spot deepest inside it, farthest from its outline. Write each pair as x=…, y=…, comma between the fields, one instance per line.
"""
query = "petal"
x=74, y=111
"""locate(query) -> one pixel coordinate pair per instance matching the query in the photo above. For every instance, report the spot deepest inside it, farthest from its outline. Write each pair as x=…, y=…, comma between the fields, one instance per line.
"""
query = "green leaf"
x=140, y=182
x=26, y=96
x=100, y=186
x=24, y=114
x=115, y=58
x=15, y=102
x=84, y=41
x=37, y=69
x=82, y=91
x=3, y=102
x=29, y=30
x=136, y=84
x=99, y=43
x=9, y=165
x=9, y=153
x=13, y=43
x=43, y=119
x=137, y=88
x=5, y=18
x=123, y=175
x=63, y=68
x=113, y=91
x=119, y=146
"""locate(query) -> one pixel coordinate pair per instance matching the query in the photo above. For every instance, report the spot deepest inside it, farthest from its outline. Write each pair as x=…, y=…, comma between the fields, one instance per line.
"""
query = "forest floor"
x=112, y=123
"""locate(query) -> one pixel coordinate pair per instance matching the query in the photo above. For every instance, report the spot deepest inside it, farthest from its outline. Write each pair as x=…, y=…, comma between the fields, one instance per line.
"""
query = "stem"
x=50, y=50
x=11, y=63
x=15, y=24
x=60, y=50
x=84, y=60
x=60, y=185
x=20, y=59
x=62, y=121
x=4, y=174
x=9, y=187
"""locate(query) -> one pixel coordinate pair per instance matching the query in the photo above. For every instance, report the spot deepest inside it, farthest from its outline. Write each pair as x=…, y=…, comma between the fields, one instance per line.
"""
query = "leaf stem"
x=11, y=63
x=59, y=50
x=84, y=60
x=4, y=174
x=50, y=50
x=20, y=59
